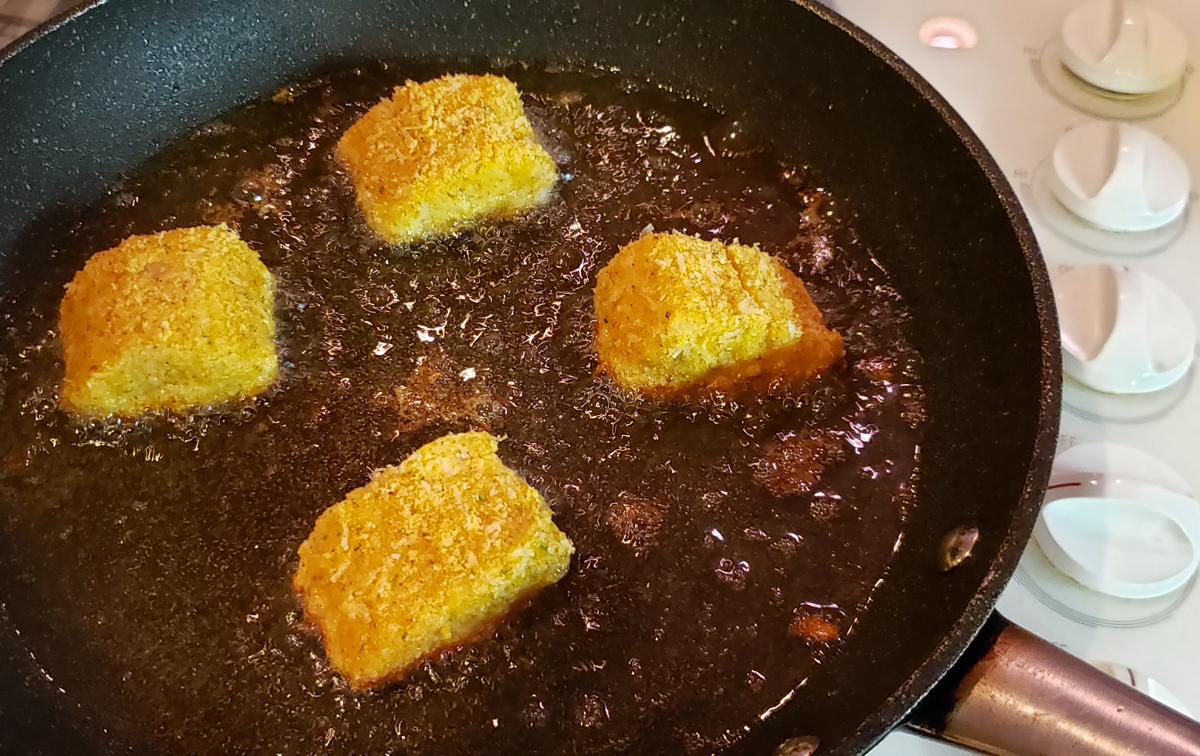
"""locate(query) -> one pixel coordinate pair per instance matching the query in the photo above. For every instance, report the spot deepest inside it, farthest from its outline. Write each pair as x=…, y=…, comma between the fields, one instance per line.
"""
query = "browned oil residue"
x=148, y=565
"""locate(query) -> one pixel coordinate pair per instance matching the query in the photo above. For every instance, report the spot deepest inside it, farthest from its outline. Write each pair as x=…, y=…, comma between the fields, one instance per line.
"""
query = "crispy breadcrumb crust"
x=431, y=554
x=172, y=320
x=445, y=152
x=676, y=313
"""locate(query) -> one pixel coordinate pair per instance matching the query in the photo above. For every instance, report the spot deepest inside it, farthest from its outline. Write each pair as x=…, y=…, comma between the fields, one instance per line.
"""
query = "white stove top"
x=997, y=89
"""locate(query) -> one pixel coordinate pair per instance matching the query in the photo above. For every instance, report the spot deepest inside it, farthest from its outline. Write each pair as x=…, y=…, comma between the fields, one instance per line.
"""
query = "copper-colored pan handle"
x=1019, y=695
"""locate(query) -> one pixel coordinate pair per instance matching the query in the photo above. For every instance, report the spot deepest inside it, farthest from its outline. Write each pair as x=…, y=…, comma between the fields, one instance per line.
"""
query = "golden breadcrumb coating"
x=676, y=313
x=449, y=151
x=431, y=554
x=172, y=320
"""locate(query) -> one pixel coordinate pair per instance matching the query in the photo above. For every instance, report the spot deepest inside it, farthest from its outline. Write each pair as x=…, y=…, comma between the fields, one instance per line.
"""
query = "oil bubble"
x=736, y=136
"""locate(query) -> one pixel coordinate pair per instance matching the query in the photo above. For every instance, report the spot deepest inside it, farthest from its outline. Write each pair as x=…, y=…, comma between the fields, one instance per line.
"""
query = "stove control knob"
x=1120, y=536
x=1118, y=177
x=1123, y=47
x=1123, y=331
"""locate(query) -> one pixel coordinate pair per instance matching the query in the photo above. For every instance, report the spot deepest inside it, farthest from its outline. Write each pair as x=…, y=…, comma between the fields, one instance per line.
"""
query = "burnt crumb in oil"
x=148, y=564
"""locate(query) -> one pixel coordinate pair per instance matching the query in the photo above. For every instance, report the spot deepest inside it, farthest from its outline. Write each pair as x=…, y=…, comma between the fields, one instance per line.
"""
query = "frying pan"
x=92, y=94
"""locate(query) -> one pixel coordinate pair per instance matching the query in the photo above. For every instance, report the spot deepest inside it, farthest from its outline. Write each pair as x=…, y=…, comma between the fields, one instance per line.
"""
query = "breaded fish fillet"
x=172, y=320
x=431, y=554
x=675, y=313
x=449, y=151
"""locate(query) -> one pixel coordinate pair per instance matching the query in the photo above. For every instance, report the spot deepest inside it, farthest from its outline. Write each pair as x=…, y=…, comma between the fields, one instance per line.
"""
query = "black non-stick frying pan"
x=88, y=97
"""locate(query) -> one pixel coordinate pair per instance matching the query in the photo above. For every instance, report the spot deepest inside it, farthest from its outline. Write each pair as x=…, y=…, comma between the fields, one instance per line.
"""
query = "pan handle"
x=1014, y=694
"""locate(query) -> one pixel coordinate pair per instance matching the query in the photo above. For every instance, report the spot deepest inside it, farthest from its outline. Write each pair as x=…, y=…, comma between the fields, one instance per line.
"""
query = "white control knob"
x=1123, y=331
x=1123, y=47
x=1119, y=177
x=1120, y=536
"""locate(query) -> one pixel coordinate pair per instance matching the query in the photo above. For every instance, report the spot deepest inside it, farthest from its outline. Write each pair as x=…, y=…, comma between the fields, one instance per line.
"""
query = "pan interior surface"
x=921, y=205
x=706, y=562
